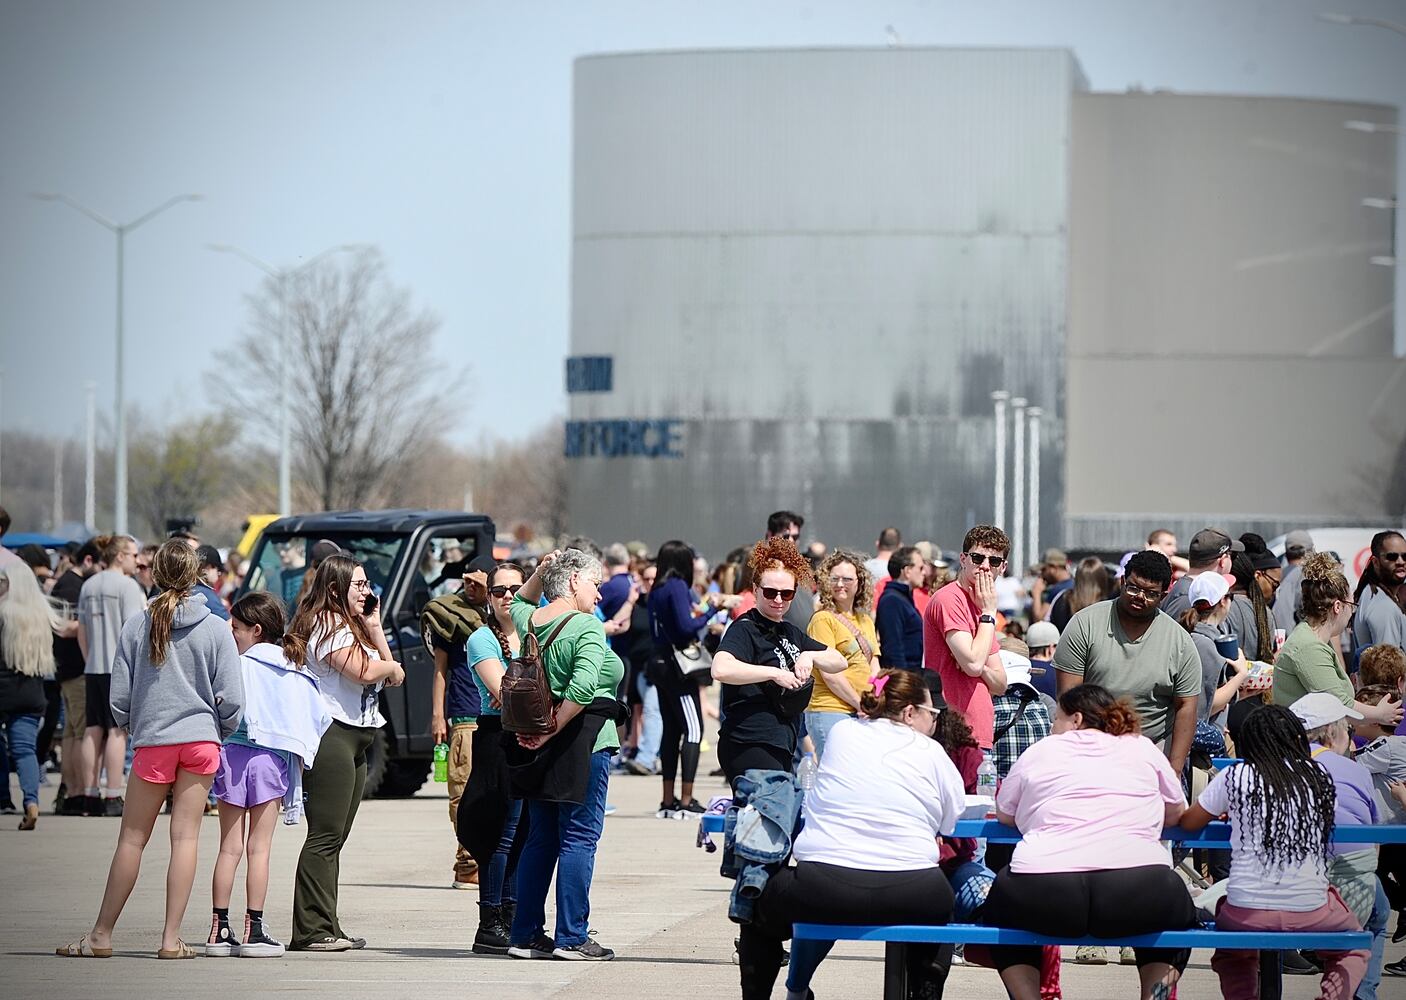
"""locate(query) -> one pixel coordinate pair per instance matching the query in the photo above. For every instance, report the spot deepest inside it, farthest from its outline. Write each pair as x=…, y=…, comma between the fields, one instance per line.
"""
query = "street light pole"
x=90, y=460
x=998, y=514
x=119, y=503
x=281, y=276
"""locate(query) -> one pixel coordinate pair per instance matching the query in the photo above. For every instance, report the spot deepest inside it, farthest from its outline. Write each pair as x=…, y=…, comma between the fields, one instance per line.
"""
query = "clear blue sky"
x=442, y=132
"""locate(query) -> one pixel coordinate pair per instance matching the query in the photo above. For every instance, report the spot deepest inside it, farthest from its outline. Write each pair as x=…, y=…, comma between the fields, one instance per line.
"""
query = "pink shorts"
x=158, y=765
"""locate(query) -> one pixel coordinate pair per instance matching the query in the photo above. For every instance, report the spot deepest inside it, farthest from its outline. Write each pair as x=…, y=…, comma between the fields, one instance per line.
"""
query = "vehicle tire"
x=377, y=760
x=403, y=778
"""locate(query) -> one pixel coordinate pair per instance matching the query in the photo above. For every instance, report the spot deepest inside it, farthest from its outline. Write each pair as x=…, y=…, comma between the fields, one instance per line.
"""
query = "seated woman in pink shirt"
x=1090, y=801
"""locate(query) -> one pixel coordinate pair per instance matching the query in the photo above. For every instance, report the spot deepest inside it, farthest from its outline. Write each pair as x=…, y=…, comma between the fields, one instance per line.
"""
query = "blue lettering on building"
x=624, y=439
x=590, y=373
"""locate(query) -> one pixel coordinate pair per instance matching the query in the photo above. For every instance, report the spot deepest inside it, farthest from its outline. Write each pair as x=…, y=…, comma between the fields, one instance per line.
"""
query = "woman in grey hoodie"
x=177, y=689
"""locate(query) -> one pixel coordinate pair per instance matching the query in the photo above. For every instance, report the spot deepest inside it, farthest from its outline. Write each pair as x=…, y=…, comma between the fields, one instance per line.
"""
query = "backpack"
x=525, y=695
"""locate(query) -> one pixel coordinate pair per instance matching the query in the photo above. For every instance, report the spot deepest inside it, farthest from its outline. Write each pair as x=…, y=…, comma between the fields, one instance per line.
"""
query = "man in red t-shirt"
x=960, y=639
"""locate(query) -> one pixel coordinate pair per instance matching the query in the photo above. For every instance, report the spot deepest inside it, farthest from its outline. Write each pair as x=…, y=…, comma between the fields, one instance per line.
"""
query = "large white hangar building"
x=798, y=277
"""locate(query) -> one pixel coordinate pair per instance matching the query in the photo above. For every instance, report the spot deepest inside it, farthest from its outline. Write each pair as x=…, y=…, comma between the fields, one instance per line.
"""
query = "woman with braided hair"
x=1280, y=802
x=489, y=822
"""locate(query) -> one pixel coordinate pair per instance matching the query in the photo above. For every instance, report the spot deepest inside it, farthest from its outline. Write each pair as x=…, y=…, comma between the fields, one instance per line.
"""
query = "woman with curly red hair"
x=765, y=663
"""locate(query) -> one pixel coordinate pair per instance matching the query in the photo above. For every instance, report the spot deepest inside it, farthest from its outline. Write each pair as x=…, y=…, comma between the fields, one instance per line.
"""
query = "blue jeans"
x=652, y=732
x=561, y=836
x=498, y=882
x=21, y=732
x=971, y=883
x=819, y=724
x=1376, y=923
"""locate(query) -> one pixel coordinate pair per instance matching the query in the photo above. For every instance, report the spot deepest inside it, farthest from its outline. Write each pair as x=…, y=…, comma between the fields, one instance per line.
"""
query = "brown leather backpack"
x=524, y=694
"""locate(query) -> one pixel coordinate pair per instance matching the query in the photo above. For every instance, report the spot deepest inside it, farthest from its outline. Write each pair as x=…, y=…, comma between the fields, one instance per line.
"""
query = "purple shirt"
x=1356, y=803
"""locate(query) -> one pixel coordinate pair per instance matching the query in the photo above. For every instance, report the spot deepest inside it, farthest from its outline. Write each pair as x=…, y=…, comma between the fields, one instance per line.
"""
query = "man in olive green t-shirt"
x=1130, y=647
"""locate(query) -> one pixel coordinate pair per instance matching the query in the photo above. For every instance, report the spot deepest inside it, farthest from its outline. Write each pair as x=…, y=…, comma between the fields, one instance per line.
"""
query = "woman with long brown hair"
x=1090, y=587
x=337, y=634
x=177, y=689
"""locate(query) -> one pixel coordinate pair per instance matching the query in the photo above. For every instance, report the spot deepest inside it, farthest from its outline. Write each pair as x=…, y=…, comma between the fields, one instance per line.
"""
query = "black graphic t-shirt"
x=750, y=712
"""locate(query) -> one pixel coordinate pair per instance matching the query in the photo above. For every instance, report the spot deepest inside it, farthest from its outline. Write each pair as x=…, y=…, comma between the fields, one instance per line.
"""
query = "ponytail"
x=174, y=568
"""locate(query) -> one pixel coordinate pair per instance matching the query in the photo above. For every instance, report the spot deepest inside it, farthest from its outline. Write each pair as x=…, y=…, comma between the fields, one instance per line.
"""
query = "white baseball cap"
x=1210, y=588
x=1017, y=668
x=1042, y=634
x=1321, y=709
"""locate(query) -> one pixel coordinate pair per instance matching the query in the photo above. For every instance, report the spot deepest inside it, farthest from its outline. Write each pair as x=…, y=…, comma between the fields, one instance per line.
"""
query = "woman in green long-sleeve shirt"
x=567, y=815
x=1307, y=662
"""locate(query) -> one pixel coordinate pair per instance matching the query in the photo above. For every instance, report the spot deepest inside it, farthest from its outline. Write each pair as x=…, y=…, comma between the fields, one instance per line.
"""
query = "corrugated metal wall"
x=822, y=262
x=1230, y=343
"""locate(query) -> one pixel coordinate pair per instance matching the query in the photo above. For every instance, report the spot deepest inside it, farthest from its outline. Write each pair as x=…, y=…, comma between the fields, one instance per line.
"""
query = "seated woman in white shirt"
x=868, y=852
x=1090, y=801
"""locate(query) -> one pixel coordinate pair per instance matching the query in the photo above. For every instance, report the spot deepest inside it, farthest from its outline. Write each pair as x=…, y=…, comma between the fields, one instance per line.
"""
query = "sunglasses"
x=980, y=559
x=142, y=565
x=504, y=591
x=772, y=593
x=1392, y=557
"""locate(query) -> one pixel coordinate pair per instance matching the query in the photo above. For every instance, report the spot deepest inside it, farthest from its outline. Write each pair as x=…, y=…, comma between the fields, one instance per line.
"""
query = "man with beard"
x=1129, y=647
x=1381, y=594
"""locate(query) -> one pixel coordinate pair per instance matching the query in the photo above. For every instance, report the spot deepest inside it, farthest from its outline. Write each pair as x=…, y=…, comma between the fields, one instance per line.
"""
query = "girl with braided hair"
x=1281, y=804
x=490, y=820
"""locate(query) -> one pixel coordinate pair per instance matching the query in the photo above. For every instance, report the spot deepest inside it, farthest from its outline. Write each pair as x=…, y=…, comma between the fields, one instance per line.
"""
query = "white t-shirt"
x=1297, y=888
x=882, y=795
x=348, y=700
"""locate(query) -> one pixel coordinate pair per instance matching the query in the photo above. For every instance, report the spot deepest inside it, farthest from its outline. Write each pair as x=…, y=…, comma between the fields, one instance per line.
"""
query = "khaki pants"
x=461, y=758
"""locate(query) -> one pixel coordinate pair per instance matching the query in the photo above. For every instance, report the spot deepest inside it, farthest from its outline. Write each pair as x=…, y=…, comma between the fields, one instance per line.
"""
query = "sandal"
x=182, y=950
x=82, y=949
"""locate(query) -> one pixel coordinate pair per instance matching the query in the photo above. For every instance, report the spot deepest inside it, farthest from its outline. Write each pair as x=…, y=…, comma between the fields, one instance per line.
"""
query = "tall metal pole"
x=1034, y=413
x=285, y=462
x=1018, y=486
x=119, y=503
x=90, y=460
x=998, y=513
x=58, y=483
x=2, y=406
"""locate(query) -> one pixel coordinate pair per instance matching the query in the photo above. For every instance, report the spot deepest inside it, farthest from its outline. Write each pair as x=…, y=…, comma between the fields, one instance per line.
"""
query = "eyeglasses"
x=772, y=593
x=1392, y=557
x=794, y=536
x=142, y=566
x=1350, y=604
x=843, y=581
x=981, y=559
x=361, y=584
x=504, y=591
x=930, y=708
x=1133, y=590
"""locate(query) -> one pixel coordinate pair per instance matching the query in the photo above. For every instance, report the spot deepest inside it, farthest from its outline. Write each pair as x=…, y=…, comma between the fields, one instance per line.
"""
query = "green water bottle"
x=441, y=762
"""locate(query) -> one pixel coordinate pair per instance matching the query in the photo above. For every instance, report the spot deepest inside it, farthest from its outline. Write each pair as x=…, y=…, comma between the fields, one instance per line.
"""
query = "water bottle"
x=441, y=762
x=805, y=774
x=986, y=776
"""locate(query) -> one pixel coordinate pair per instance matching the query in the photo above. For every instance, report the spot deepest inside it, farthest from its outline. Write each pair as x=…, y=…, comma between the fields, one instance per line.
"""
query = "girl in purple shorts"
x=255, y=774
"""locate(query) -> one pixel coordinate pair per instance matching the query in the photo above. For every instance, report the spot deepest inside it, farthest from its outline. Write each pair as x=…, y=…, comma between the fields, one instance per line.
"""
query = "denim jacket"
x=757, y=835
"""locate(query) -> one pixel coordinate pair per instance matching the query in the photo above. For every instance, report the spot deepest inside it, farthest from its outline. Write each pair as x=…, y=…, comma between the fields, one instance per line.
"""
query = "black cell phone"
x=370, y=605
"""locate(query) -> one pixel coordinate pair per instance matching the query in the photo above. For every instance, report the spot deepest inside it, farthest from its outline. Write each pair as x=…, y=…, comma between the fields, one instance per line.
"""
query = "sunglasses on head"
x=980, y=559
x=772, y=593
x=504, y=591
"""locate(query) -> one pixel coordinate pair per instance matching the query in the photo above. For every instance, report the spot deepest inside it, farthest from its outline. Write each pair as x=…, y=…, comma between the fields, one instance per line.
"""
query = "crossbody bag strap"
x=1026, y=697
x=864, y=646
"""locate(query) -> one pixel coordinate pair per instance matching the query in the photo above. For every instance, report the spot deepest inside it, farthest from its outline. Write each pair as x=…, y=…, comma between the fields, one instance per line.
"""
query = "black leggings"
x=1106, y=904
x=828, y=894
x=682, y=710
x=738, y=758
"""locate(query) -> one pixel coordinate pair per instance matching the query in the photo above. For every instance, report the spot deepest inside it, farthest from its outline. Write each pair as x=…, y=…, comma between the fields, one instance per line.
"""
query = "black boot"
x=509, y=909
x=492, y=936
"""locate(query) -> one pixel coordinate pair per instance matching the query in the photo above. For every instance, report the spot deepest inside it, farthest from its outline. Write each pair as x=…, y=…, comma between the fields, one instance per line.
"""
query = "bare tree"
x=363, y=387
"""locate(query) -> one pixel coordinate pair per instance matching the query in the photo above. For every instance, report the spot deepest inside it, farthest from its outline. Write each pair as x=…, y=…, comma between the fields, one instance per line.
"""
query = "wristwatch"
x=987, y=619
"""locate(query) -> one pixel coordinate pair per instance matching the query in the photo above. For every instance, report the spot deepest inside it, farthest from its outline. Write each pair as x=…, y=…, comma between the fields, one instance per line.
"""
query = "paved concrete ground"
x=657, y=900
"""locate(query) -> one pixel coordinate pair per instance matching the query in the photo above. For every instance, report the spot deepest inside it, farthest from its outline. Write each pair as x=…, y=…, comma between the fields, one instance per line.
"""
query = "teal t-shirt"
x=484, y=645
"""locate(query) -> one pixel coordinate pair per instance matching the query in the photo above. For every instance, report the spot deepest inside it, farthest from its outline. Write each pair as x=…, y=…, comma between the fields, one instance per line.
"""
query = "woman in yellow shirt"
x=845, y=622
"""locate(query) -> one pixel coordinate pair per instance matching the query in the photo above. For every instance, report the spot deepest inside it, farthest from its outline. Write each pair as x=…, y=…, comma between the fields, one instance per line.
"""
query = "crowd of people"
x=1099, y=693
